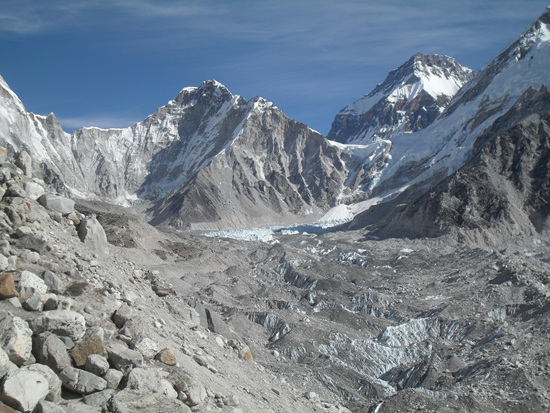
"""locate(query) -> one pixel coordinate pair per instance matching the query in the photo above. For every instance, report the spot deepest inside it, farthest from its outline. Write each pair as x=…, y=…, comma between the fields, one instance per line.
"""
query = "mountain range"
x=406, y=268
x=212, y=160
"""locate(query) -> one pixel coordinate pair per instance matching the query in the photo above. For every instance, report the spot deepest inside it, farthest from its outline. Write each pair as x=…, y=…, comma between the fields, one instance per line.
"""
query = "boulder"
x=122, y=315
x=113, y=378
x=54, y=384
x=53, y=282
x=99, y=399
x=97, y=364
x=194, y=391
x=93, y=235
x=144, y=345
x=29, y=283
x=24, y=162
x=33, y=303
x=7, y=285
x=122, y=358
x=150, y=381
x=64, y=323
x=6, y=366
x=57, y=203
x=34, y=190
x=91, y=343
x=80, y=381
x=23, y=389
x=130, y=401
x=4, y=263
x=15, y=338
x=45, y=406
x=51, y=351
x=167, y=357
x=35, y=242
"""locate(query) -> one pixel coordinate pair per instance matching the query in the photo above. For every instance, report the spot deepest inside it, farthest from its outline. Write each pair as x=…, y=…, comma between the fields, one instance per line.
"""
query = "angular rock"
x=97, y=364
x=7, y=285
x=80, y=381
x=130, y=401
x=35, y=242
x=50, y=301
x=29, y=283
x=51, y=351
x=162, y=290
x=57, y=203
x=23, y=389
x=4, y=263
x=167, y=357
x=45, y=406
x=150, y=381
x=34, y=190
x=113, y=378
x=192, y=388
x=91, y=343
x=93, y=235
x=33, y=303
x=144, y=345
x=53, y=282
x=64, y=323
x=99, y=399
x=122, y=358
x=6, y=366
x=54, y=384
x=122, y=315
x=24, y=162
x=246, y=354
x=15, y=338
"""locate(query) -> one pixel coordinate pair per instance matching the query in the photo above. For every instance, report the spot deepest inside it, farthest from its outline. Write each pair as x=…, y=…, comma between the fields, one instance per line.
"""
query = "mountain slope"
x=410, y=98
x=503, y=191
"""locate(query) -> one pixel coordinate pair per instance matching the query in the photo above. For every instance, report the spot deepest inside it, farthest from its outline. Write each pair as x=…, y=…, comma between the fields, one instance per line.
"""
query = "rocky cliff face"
x=410, y=99
x=501, y=192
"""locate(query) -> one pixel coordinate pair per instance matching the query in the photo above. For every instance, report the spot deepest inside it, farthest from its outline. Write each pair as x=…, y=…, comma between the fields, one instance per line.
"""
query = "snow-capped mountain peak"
x=410, y=98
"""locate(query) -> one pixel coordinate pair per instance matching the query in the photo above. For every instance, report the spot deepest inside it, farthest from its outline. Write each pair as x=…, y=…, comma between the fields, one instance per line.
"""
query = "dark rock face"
x=404, y=103
x=505, y=187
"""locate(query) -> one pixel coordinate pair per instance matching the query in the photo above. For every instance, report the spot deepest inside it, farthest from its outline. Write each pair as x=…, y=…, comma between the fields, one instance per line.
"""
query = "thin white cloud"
x=104, y=121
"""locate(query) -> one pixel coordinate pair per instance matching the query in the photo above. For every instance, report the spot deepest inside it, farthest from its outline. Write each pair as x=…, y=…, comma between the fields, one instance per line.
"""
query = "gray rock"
x=93, y=235
x=91, y=343
x=29, y=283
x=97, y=364
x=122, y=315
x=23, y=230
x=113, y=378
x=144, y=345
x=24, y=161
x=192, y=388
x=50, y=301
x=151, y=380
x=54, y=384
x=15, y=190
x=15, y=338
x=65, y=323
x=34, y=190
x=4, y=263
x=122, y=358
x=23, y=389
x=99, y=399
x=80, y=381
x=6, y=366
x=51, y=351
x=33, y=303
x=53, y=282
x=35, y=242
x=45, y=406
x=57, y=203
x=130, y=401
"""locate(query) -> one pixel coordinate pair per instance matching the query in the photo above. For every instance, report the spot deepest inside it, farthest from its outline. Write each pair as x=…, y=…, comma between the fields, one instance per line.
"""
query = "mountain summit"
x=410, y=99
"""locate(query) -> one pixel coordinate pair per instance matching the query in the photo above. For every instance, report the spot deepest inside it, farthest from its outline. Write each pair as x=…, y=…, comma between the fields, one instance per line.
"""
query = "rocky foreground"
x=99, y=311
x=85, y=326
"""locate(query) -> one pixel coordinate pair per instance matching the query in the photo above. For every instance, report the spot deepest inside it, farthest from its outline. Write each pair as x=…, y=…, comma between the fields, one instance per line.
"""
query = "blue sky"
x=110, y=63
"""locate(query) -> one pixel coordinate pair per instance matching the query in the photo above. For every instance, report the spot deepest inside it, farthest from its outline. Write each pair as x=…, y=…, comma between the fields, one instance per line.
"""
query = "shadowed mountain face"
x=502, y=191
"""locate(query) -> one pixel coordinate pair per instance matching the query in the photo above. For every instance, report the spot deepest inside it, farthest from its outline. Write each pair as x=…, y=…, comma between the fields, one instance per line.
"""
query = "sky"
x=111, y=63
